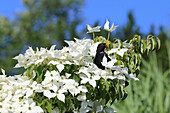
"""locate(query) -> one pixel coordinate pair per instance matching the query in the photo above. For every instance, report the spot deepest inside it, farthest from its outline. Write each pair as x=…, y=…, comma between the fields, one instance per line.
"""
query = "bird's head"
x=101, y=47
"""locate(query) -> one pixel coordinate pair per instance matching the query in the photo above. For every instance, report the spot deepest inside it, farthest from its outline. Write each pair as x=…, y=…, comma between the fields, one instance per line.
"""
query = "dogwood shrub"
x=67, y=80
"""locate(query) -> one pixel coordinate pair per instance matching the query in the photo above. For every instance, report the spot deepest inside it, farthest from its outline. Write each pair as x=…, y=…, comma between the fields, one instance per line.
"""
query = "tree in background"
x=43, y=24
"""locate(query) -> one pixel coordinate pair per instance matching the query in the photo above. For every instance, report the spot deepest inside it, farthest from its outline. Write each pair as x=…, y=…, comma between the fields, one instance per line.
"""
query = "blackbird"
x=99, y=57
x=100, y=54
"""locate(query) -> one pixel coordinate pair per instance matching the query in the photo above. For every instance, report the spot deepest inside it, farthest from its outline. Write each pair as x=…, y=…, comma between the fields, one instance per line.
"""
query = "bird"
x=100, y=53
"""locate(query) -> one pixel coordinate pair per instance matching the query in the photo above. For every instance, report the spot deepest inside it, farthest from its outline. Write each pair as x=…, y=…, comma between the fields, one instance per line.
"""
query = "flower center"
x=90, y=77
x=10, y=107
x=29, y=108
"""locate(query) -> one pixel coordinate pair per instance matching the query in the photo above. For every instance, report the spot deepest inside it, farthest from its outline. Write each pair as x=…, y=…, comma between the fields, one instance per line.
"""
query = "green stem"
x=108, y=36
x=93, y=35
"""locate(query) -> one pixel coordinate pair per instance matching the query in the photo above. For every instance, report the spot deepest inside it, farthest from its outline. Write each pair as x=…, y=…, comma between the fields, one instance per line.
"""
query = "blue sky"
x=146, y=12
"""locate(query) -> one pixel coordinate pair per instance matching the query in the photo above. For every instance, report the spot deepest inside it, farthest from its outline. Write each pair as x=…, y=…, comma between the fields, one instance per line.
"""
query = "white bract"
x=118, y=51
x=93, y=29
x=67, y=72
x=14, y=94
x=127, y=45
x=107, y=28
x=109, y=64
x=86, y=76
x=132, y=76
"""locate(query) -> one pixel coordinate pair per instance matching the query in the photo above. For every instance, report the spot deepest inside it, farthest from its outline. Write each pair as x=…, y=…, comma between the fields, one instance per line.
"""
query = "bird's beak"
x=107, y=44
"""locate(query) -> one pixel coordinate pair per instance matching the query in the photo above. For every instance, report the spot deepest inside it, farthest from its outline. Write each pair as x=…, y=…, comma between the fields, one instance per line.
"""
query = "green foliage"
x=132, y=59
x=150, y=94
x=109, y=90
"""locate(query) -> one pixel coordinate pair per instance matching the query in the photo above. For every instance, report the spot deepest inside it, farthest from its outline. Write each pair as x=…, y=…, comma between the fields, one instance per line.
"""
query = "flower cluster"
x=14, y=93
x=80, y=53
x=68, y=80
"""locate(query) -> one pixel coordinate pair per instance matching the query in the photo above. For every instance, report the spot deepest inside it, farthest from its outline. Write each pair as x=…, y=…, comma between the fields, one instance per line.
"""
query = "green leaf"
x=143, y=46
x=148, y=42
x=48, y=106
x=158, y=43
x=138, y=42
x=125, y=95
x=69, y=103
x=154, y=44
x=120, y=43
x=135, y=58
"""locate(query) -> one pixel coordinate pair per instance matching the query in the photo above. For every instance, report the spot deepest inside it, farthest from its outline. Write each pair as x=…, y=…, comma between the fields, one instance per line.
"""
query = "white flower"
x=3, y=71
x=70, y=43
x=119, y=77
x=99, y=108
x=59, y=92
x=49, y=94
x=9, y=96
x=118, y=51
x=3, y=76
x=32, y=87
x=127, y=45
x=109, y=110
x=93, y=48
x=132, y=76
x=108, y=64
x=18, y=93
x=85, y=107
x=93, y=29
x=60, y=67
x=82, y=97
x=6, y=107
x=73, y=87
x=30, y=107
x=87, y=77
x=21, y=61
x=106, y=26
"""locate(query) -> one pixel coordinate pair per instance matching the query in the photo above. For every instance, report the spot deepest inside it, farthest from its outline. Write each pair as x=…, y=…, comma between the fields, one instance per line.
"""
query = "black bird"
x=100, y=54
x=99, y=57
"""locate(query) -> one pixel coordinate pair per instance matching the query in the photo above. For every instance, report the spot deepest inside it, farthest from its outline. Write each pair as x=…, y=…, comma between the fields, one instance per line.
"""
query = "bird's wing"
x=98, y=59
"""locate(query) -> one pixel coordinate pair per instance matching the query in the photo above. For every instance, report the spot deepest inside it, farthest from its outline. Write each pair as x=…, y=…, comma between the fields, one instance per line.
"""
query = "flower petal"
x=60, y=67
x=93, y=83
x=113, y=50
x=106, y=26
x=48, y=94
x=61, y=97
x=133, y=76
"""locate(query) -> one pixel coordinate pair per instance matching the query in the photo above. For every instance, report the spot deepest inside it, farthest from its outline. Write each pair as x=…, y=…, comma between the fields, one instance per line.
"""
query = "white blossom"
x=93, y=29
x=118, y=51
x=87, y=77
x=107, y=28
x=57, y=82
x=109, y=64
x=132, y=76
